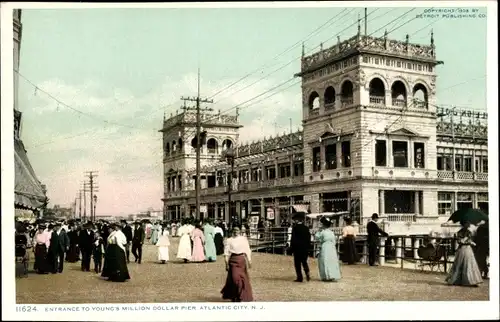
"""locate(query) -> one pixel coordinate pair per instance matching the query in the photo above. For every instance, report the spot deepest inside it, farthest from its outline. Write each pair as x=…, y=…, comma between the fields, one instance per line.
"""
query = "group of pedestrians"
x=199, y=241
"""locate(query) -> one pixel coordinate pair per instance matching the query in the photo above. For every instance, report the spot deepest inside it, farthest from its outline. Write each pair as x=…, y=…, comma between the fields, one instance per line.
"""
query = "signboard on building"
x=203, y=209
x=270, y=214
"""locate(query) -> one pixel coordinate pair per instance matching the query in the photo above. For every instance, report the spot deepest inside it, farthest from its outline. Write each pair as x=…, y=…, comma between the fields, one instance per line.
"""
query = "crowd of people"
x=109, y=245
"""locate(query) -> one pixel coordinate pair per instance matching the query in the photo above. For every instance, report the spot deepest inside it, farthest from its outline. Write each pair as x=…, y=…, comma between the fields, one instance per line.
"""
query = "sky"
x=122, y=69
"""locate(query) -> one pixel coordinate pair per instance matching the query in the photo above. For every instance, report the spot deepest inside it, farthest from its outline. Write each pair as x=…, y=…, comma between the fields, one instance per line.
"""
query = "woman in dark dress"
x=219, y=240
x=72, y=253
x=115, y=260
x=349, y=253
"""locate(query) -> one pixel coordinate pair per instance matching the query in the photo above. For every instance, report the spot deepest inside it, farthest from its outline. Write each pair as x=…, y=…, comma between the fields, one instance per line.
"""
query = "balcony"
x=314, y=112
x=377, y=100
x=402, y=173
x=401, y=217
x=398, y=102
x=333, y=174
x=462, y=176
x=346, y=101
x=420, y=104
x=255, y=185
x=329, y=107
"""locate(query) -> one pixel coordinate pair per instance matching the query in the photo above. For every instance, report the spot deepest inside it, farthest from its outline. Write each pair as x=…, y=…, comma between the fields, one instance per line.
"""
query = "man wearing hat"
x=127, y=231
x=374, y=232
x=86, y=240
x=138, y=241
x=299, y=246
x=59, y=244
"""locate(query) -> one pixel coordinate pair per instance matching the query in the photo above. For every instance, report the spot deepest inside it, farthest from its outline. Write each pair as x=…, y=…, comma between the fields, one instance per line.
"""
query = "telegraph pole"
x=92, y=175
x=79, y=204
x=198, y=100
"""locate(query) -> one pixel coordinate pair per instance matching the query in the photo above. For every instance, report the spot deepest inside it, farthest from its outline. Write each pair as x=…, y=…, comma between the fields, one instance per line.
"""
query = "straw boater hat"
x=325, y=222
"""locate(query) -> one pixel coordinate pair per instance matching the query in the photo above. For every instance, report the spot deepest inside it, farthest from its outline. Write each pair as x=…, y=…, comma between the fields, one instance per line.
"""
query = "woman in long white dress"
x=184, y=251
x=163, y=244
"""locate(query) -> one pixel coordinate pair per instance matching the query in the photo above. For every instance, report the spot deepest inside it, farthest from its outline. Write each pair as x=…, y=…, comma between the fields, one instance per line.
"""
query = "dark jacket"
x=59, y=243
x=139, y=235
x=127, y=231
x=85, y=240
x=374, y=232
x=301, y=239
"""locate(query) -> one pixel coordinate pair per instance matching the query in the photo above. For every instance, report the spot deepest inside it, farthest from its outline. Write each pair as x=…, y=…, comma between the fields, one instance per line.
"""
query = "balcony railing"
x=330, y=106
x=314, y=112
x=377, y=100
x=346, y=101
x=398, y=102
x=462, y=175
x=401, y=217
x=419, y=104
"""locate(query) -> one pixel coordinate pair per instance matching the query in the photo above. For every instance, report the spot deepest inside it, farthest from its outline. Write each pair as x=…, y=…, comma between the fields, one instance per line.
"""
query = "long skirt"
x=184, y=249
x=219, y=244
x=198, y=250
x=115, y=264
x=163, y=253
x=328, y=262
x=41, y=261
x=464, y=270
x=349, y=254
x=237, y=288
x=72, y=254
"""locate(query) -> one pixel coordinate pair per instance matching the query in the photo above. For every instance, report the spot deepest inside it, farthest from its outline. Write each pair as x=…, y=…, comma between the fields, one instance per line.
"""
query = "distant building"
x=373, y=140
x=29, y=192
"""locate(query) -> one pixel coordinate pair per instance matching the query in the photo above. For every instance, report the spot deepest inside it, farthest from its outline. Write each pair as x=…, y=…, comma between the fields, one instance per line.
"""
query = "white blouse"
x=218, y=230
x=238, y=245
x=348, y=230
x=117, y=238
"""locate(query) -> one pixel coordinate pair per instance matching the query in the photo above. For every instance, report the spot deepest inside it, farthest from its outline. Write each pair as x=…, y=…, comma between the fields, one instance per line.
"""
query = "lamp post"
x=95, y=202
x=230, y=156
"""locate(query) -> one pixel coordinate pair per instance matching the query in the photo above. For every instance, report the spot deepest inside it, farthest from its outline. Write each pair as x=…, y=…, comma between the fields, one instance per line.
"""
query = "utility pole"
x=79, y=204
x=92, y=175
x=366, y=21
x=198, y=100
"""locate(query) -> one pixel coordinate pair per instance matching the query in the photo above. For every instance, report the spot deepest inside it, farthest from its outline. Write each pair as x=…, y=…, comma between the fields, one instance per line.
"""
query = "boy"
x=97, y=252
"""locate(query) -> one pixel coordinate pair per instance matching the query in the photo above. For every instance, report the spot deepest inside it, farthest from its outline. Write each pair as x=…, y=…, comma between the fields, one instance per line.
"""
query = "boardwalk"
x=272, y=278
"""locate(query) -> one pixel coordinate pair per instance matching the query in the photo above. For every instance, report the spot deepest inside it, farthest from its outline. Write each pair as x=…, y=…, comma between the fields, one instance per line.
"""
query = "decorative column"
x=474, y=201
x=276, y=169
x=390, y=159
x=381, y=258
x=381, y=202
x=262, y=209
x=277, y=218
x=292, y=166
x=249, y=208
x=416, y=245
x=238, y=209
x=216, y=210
x=399, y=250
x=417, y=202
x=349, y=201
x=410, y=155
x=263, y=171
x=176, y=212
x=226, y=212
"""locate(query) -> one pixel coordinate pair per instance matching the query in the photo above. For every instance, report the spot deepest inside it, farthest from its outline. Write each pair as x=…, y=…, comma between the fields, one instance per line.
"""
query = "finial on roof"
x=321, y=46
x=303, y=49
x=359, y=25
x=432, y=37
x=338, y=39
x=385, y=34
x=407, y=38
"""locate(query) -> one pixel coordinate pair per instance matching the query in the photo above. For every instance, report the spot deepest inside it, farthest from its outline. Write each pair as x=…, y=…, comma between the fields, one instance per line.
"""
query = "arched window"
x=226, y=144
x=167, y=148
x=329, y=97
x=313, y=101
x=212, y=146
x=347, y=93
x=398, y=94
x=377, y=92
x=420, y=96
x=174, y=146
x=180, y=144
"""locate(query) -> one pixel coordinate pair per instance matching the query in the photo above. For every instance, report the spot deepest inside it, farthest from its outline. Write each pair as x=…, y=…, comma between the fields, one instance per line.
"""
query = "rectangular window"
x=345, y=148
x=331, y=156
x=381, y=153
x=444, y=162
x=485, y=165
x=271, y=172
x=445, y=203
x=298, y=168
x=388, y=62
x=419, y=67
x=316, y=159
x=180, y=182
x=467, y=164
x=399, y=64
x=399, y=202
x=377, y=61
x=400, y=154
x=284, y=170
x=477, y=165
x=458, y=162
x=419, y=155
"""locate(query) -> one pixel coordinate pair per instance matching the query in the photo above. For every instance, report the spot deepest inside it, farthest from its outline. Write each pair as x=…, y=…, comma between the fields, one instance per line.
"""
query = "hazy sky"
x=124, y=65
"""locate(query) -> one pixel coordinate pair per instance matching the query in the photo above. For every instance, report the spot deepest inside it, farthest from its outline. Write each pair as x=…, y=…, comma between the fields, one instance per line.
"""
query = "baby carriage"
x=21, y=256
x=432, y=255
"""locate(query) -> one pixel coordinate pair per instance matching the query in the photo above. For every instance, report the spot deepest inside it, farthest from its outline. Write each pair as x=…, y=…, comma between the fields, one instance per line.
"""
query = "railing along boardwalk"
x=396, y=250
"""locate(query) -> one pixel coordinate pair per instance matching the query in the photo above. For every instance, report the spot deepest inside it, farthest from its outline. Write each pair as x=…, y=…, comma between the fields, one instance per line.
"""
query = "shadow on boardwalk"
x=271, y=276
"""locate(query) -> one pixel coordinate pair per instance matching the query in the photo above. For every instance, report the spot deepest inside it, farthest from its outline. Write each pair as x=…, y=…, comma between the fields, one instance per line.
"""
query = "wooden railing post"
x=364, y=258
x=399, y=245
x=381, y=256
x=416, y=245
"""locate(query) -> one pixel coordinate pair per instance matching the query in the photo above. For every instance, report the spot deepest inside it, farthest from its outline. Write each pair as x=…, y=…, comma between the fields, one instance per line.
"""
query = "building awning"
x=28, y=191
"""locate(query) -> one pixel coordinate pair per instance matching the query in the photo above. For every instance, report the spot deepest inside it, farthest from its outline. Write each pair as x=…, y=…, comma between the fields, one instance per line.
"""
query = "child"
x=98, y=252
x=163, y=244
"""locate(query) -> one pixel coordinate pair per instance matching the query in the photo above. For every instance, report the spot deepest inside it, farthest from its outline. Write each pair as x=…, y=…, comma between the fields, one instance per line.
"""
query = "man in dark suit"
x=127, y=231
x=59, y=244
x=86, y=240
x=299, y=246
x=374, y=233
x=138, y=241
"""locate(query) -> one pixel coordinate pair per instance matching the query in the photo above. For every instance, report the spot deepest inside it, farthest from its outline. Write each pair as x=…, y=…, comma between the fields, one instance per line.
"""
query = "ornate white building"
x=373, y=140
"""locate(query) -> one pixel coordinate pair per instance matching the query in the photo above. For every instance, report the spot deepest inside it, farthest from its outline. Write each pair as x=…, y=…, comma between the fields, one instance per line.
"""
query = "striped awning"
x=28, y=191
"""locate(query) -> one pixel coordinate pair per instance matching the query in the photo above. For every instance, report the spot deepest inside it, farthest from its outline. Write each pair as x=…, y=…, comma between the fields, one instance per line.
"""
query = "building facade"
x=373, y=140
x=29, y=193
